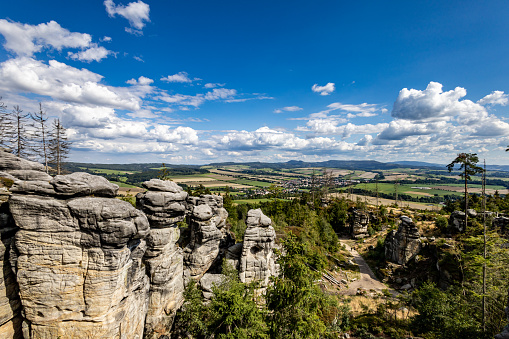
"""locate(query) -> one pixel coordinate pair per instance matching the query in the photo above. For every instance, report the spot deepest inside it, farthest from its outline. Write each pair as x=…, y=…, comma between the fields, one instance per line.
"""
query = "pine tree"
x=41, y=135
x=58, y=146
x=6, y=126
x=20, y=135
x=468, y=167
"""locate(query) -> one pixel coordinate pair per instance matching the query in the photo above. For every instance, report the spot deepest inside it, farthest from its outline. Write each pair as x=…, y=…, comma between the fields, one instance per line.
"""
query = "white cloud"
x=137, y=58
x=288, y=109
x=141, y=81
x=360, y=110
x=324, y=90
x=25, y=40
x=213, y=85
x=400, y=129
x=495, y=98
x=220, y=93
x=60, y=81
x=137, y=13
x=180, y=135
x=106, y=39
x=182, y=77
x=95, y=53
x=433, y=103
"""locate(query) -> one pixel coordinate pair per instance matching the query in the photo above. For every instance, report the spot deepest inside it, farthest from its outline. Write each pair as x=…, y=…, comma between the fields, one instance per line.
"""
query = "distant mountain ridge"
x=366, y=165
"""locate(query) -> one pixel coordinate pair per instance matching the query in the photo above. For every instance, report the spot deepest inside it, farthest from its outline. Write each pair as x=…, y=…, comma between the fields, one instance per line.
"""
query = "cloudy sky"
x=201, y=81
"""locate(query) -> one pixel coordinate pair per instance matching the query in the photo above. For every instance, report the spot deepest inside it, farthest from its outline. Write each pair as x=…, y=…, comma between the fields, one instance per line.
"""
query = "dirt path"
x=368, y=280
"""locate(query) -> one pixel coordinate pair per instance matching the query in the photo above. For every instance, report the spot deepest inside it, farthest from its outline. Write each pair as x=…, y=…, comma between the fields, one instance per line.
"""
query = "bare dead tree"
x=41, y=135
x=20, y=135
x=6, y=126
x=58, y=146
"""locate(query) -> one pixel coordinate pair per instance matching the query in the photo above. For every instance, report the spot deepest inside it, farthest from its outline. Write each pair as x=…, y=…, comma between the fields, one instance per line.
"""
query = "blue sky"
x=200, y=81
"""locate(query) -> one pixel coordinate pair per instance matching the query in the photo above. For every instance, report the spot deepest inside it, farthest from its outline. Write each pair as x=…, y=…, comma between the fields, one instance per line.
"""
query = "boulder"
x=457, y=222
x=257, y=258
x=81, y=184
x=404, y=244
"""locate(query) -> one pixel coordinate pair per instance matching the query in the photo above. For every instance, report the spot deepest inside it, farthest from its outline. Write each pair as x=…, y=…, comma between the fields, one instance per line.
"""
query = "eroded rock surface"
x=165, y=206
x=209, y=237
x=359, y=221
x=457, y=222
x=257, y=258
x=10, y=304
x=404, y=244
x=77, y=258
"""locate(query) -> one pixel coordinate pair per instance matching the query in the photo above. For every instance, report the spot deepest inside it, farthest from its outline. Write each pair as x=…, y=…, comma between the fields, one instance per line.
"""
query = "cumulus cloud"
x=495, y=98
x=60, y=81
x=433, y=103
x=96, y=53
x=137, y=13
x=141, y=81
x=400, y=129
x=324, y=90
x=288, y=109
x=25, y=39
x=181, y=77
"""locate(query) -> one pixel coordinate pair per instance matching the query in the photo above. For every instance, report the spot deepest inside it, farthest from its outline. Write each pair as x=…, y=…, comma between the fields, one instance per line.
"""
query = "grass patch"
x=121, y=184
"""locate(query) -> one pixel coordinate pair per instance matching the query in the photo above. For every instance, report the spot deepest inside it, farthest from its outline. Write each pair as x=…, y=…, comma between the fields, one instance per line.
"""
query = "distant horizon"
x=206, y=82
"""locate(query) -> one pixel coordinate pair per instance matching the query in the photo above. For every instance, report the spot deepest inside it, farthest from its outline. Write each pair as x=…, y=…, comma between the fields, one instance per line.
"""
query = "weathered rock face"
x=457, y=222
x=209, y=237
x=257, y=259
x=359, y=221
x=10, y=304
x=77, y=258
x=402, y=245
x=165, y=205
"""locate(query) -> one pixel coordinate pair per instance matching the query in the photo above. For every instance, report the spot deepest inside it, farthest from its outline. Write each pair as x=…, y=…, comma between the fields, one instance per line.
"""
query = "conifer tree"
x=468, y=166
x=58, y=146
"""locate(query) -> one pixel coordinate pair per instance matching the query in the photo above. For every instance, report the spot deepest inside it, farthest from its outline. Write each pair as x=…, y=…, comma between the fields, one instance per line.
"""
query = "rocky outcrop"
x=77, y=255
x=257, y=259
x=404, y=244
x=457, y=220
x=208, y=235
x=359, y=221
x=10, y=304
x=164, y=205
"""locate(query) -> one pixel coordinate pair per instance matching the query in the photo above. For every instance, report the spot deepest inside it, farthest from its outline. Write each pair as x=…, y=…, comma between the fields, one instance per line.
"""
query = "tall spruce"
x=21, y=139
x=58, y=146
x=6, y=126
x=468, y=167
x=41, y=135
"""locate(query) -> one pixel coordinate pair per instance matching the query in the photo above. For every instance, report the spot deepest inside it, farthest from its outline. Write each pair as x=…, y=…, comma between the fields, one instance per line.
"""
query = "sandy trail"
x=368, y=280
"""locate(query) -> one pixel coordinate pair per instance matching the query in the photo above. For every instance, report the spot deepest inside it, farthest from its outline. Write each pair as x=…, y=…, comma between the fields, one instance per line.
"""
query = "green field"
x=254, y=201
x=121, y=184
x=405, y=189
x=107, y=171
x=250, y=183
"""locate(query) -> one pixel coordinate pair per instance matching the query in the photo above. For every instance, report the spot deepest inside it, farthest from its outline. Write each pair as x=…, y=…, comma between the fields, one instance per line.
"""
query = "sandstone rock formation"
x=457, y=220
x=10, y=304
x=78, y=263
x=208, y=235
x=359, y=221
x=402, y=245
x=257, y=259
x=77, y=255
x=165, y=206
